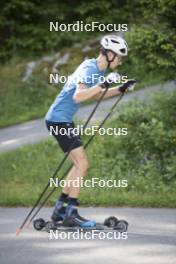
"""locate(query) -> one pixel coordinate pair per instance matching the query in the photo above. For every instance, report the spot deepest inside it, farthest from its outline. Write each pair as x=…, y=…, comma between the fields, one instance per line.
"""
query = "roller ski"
x=73, y=222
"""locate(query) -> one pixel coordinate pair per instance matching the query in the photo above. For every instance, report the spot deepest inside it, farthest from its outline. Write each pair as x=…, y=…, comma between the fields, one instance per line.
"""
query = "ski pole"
x=59, y=167
x=86, y=145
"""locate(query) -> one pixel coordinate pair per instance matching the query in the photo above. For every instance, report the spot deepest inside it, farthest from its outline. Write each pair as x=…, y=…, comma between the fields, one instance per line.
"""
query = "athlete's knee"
x=83, y=165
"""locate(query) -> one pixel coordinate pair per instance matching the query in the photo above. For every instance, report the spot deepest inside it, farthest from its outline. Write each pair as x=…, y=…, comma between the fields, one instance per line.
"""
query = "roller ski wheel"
x=39, y=224
x=122, y=226
x=50, y=226
x=111, y=221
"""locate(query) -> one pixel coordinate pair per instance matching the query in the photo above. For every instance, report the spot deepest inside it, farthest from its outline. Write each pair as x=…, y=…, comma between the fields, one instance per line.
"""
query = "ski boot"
x=58, y=214
x=73, y=219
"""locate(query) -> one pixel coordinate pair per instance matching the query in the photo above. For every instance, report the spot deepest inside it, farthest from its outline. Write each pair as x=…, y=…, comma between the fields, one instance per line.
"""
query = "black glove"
x=112, y=78
x=129, y=84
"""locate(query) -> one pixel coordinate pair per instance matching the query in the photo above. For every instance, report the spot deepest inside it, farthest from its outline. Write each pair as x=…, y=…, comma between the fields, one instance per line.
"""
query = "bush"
x=146, y=156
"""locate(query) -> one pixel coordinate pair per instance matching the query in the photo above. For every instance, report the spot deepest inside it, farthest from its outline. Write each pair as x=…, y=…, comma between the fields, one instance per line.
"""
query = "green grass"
x=25, y=172
x=21, y=101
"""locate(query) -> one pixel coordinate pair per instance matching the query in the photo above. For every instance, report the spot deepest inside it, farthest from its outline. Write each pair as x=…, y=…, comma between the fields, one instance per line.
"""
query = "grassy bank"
x=146, y=158
x=26, y=172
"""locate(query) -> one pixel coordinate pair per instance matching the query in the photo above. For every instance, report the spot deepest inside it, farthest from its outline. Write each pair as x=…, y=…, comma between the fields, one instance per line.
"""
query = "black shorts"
x=64, y=135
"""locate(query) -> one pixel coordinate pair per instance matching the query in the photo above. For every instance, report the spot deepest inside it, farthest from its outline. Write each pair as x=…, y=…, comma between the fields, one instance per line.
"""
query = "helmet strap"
x=105, y=51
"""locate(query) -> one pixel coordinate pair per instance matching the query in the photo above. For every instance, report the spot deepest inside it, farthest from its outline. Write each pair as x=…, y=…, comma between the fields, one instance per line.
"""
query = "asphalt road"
x=151, y=239
x=34, y=131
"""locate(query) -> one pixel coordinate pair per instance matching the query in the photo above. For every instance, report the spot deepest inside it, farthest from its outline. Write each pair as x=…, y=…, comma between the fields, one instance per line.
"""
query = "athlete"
x=83, y=84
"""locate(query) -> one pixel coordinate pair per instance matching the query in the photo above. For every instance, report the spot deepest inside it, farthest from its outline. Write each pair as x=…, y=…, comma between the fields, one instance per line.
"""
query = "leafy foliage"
x=148, y=153
x=24, y=27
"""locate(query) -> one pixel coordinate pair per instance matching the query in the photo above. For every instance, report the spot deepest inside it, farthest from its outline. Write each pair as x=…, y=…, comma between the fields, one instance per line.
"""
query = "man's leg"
x=70, y=193
x=72, y=217
x=79, y=158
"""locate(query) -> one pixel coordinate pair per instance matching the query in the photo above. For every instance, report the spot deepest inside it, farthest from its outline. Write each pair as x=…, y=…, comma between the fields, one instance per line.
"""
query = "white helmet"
x=116, y=44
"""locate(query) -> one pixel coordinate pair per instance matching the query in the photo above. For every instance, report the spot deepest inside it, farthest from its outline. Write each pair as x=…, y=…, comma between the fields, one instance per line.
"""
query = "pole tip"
x=18, y=232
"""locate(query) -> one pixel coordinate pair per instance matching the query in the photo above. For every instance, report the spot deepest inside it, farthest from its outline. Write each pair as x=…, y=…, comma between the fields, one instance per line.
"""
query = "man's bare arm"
x=110, y=93
x=83, y=93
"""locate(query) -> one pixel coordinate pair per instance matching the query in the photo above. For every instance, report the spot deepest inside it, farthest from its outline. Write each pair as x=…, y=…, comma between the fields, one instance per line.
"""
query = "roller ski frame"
x=111, y=223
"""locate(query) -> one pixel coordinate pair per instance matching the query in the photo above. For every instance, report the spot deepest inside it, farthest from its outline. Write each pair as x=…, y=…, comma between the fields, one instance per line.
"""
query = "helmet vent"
x=115, y=41
x=122, y=50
